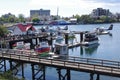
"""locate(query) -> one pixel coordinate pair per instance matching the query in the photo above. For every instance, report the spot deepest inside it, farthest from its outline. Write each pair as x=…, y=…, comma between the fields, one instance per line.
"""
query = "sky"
x=66, y=8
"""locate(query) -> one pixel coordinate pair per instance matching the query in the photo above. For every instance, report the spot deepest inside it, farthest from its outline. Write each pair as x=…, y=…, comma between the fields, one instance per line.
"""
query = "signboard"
x=20, y=45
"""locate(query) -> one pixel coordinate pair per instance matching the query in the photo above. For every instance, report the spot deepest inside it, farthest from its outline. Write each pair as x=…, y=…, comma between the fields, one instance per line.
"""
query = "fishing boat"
x=42, y=49
x=90, y=39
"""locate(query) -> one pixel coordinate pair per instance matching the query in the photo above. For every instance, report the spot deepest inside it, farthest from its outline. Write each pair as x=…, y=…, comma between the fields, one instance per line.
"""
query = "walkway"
x=97, y=66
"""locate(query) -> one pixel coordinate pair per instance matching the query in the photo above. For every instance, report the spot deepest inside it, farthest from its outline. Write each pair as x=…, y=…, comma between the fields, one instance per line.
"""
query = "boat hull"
x=43, y=51
x=91, y=43
x=102, y=33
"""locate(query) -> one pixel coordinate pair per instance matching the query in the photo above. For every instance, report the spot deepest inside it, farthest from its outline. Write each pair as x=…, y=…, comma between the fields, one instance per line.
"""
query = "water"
x=109, y=48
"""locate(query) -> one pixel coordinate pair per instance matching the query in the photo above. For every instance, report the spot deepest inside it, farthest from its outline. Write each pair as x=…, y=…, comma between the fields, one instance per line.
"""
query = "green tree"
x=37, y=20
x=11, y=19
x=86, y=19
x=78, y=18
x=8, y=18
x=107, y=19
x=3, y=31
x=21, y=18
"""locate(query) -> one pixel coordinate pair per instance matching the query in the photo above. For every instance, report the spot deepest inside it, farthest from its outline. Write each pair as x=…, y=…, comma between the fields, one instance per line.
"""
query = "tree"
x=11, y=19
x=3, y=31
x=37, y=20
x=21, y=18
x=86, y=19
x=6, y=18
x=78, y=17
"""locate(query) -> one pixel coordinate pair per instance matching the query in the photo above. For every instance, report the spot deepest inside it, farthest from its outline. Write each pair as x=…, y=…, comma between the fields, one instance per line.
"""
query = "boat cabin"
x=61, y=49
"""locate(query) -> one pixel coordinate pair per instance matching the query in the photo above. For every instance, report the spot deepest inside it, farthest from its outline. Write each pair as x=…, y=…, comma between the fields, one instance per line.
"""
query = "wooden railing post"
x=39, y=60
x=118, y=64
x=78, y=65
x=111, y=69
x=19, y=57
x=51, y=61
x=87, y=60
x=29, y=58
x=64, y=63
x=10, y=55
x=94, y=67
x=102, y=62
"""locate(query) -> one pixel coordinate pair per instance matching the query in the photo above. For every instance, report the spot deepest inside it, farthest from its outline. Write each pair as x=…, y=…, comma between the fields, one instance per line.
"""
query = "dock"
x=76, y=44
x=89, y=65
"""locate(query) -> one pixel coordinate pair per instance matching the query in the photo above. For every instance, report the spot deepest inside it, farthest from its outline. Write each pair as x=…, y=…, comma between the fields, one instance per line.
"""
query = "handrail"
x=101, y=62
x=69, y=61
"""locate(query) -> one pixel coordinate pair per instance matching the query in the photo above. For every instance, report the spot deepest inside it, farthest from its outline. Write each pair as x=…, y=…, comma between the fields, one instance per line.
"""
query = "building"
x=100, y=12
x=23, y=29
x=117, y=16
x=41, y=14
x=73, y=20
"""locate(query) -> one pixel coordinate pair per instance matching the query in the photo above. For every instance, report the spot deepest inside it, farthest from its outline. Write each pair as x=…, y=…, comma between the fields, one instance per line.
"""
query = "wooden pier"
x=93, y=66
x=75, y=44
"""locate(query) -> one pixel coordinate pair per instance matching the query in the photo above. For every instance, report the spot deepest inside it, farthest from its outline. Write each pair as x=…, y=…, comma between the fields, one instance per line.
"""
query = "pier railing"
x=107, y=67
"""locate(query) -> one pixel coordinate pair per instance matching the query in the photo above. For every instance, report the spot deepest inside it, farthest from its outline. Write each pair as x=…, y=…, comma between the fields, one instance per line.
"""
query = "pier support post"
x=31, y=45
x=10, y=61
x=81, y=50
x=51, y=41
x=22, y=70
x=68, y=74
x=33, y=77
x=36, y=41
x=91, y=76
x=16, y=67
x=39, y=70
x=66, y=38
x=4, y=65
x=98, y=77
x=81, y=36
x=65, y=76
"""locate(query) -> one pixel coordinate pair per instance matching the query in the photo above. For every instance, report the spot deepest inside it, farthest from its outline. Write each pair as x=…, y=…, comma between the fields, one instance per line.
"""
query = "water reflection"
x=110, y=34
x=88, y=50
x=91, y=49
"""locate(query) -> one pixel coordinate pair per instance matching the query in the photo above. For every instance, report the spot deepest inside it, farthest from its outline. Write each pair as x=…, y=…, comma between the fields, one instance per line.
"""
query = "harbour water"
x=108, y=48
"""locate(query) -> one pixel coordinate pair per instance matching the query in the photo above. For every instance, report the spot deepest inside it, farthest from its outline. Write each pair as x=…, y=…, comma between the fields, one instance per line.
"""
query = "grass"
x=8, y=76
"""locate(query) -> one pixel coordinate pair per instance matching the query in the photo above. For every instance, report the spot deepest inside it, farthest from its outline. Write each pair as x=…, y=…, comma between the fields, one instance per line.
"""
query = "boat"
x=90, y=39
x=102, y=30
x=42, y=49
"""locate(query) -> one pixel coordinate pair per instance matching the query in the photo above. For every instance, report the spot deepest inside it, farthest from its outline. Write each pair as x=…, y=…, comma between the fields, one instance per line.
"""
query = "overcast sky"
x=66, y=7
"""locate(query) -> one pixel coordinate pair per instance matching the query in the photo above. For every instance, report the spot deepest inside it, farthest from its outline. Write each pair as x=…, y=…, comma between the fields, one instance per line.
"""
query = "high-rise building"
x=100, y=12
x=42, y=14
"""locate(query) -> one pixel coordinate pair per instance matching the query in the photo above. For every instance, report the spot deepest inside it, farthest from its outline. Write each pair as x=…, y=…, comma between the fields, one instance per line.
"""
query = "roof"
x=25, y=27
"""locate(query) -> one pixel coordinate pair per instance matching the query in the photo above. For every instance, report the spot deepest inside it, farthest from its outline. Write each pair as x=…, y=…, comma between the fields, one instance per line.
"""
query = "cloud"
x=67, y=3
x=51, y=3
x=108, y=1
x=70, y=7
